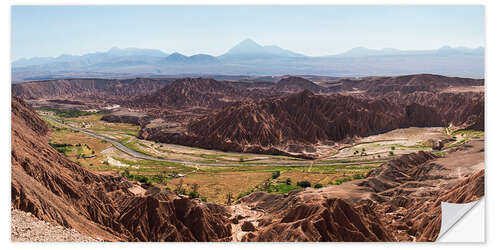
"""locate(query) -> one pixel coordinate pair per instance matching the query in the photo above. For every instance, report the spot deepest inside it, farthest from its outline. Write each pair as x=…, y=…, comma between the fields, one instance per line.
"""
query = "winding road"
x=140, y=155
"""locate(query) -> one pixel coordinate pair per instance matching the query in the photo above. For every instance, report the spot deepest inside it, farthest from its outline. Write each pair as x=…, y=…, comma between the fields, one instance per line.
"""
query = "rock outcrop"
x=296, y=84
x=274, y=125
x=52, y=188
x=398, y=201
x=195, y=92
x=110, y=90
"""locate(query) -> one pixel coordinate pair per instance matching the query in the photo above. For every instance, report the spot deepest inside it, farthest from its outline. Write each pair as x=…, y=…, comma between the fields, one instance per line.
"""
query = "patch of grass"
x=283, y=188
x=340, y=181
x=70, y=113
x=62, y=148
x=136, y=177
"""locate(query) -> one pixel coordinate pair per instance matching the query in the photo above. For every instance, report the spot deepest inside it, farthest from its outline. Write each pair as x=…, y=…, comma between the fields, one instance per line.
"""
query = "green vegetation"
x=244, y=194
x=282, y=188
x=275, y=174
x=136, y=177
x=303, y=184
x=62, y=148
x=440, y=154
x=476, y=134
x=318, y=185
x=340, y=181
x=358, y=176
x=194, y=192
x=391, y=153
x=69, y=113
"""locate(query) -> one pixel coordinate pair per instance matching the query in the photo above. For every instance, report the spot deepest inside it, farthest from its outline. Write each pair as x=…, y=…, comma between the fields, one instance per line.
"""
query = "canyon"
x=293, y=120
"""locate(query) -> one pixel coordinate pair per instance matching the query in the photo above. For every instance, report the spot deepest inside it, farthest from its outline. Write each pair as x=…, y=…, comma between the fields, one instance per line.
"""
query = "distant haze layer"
x=250, y=58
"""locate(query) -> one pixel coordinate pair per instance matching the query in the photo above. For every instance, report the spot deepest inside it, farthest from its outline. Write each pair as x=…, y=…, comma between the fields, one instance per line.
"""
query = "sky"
x=38, y=31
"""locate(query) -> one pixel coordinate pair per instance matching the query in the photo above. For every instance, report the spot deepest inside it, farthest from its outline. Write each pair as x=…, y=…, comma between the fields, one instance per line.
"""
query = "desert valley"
x=283, y=158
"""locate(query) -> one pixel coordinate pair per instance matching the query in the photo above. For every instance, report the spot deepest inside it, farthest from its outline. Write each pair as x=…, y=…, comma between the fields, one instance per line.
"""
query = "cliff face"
x=55, y=189
x=403, y=84
x=398, y=201
x=269, y=126
x=196, y=92
x=312, y=217
x=88, y=89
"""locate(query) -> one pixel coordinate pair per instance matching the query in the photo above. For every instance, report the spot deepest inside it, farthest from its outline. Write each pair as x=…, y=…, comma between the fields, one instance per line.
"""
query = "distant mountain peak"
x=176, y=54
x=248, y=41
x=249, y=49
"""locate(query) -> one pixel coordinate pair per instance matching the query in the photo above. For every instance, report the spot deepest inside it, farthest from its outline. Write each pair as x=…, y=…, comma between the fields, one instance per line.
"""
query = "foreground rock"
x=56, y=190
x=399, y=201
x=27, y=228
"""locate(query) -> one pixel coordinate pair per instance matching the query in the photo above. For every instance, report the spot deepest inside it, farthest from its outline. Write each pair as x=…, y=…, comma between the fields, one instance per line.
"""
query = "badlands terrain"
x=270, y=159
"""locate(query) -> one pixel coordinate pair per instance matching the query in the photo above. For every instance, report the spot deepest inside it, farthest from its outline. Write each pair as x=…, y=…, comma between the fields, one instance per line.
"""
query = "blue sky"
x=311, y=30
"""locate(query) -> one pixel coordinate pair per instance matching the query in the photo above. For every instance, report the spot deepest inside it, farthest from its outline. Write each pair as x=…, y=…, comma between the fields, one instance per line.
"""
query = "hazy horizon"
x=51, y=31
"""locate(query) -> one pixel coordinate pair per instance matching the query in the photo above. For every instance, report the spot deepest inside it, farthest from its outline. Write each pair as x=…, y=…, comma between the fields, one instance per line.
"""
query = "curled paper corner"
x=451, y=213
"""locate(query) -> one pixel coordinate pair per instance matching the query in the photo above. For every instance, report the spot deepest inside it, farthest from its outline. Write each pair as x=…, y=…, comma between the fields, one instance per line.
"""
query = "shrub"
x=275, y=174
x=141, y=178
x=204, y=199
x=340, y=181
x=318, y=185
x=391, y=153
x=194, y=194
x=180, y=191
x=288, y=181
x=358, y=176
x=241, y=195
x=303, y=184
x=356, y=152
x=393, y=148
x=126, y=173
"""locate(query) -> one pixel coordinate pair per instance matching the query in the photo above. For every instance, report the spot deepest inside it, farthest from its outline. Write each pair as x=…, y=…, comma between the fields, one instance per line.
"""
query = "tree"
x=178, y=188
x=275, y=174
x=303, y=184
x=229, y=199
x=126, y=173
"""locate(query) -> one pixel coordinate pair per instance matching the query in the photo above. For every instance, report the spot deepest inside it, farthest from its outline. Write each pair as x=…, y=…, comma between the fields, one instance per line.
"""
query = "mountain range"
x=251, y=58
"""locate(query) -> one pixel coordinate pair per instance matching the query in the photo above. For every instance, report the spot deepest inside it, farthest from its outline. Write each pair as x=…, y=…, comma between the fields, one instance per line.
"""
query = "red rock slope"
x=57, y=190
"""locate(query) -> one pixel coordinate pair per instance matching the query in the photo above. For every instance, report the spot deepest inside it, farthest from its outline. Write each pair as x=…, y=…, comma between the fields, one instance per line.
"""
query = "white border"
x=492, y=131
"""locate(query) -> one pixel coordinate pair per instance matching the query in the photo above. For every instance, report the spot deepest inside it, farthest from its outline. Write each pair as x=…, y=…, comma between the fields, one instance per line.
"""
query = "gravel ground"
x=27, y=228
